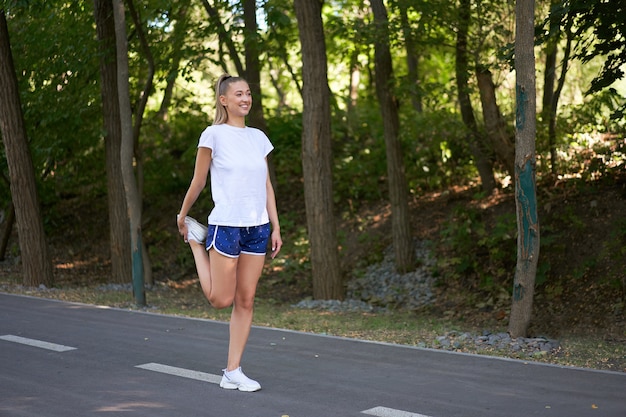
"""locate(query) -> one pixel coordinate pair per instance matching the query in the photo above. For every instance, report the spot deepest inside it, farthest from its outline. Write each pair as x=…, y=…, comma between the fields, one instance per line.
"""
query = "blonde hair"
x=221, y=87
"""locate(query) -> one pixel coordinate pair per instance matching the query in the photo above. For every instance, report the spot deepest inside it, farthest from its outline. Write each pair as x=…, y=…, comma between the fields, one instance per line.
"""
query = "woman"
x=230, y=253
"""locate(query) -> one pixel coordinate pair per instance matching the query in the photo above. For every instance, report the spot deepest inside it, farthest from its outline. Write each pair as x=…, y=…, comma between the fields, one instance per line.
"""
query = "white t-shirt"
x=238, y=174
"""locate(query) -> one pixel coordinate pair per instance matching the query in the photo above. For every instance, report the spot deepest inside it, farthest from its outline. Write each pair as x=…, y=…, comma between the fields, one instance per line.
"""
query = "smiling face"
x=238, y=100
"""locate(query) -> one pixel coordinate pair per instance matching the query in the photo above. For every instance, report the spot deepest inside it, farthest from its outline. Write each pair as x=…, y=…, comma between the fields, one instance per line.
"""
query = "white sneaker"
x=238, y=380
x=195, y=231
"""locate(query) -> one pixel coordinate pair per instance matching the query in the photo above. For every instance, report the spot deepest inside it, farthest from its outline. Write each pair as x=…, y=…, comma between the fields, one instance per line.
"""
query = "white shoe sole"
x=244, y=388
x=195, y=231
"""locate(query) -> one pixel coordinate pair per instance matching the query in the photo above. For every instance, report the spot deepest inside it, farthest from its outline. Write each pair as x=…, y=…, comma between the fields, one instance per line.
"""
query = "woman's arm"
x=198, y=182
x=272, y=212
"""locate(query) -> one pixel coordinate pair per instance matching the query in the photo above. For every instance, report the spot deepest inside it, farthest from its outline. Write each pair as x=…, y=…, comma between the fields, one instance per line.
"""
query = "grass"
x=398, y=327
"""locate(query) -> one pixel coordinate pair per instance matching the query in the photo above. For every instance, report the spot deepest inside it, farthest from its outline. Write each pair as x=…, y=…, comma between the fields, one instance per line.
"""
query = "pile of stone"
x=491, y=342
x=381, y=288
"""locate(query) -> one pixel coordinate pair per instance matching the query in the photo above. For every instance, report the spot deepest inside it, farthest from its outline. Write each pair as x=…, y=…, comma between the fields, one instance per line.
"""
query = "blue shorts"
x=233, y=241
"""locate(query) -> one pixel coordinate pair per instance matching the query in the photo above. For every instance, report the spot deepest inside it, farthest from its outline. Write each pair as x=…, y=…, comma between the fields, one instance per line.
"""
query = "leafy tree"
x=253, y=46
x=316, y=153
x=607, y=21
x=36, y=263
x=476, y=144
x=552, y=87
x=398, y=190
x=119, y=228
x=133, y=198
x=525, y=187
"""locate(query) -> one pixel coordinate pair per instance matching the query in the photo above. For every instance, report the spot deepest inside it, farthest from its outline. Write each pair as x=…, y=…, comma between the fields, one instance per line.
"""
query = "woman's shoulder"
x=214, y=128
x=256, y=132
x=209, y=135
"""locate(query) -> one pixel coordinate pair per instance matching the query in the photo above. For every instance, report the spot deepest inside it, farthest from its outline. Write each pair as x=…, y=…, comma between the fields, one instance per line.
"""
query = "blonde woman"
x=230, y=253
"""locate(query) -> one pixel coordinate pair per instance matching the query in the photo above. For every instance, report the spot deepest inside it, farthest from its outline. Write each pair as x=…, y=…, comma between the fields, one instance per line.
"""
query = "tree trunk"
x=133, y=200
x=481, y=158
x=501, y=143
x=224, y=36
x=525, y=184
x=253, y=65
x=549, y=74
x=179, y=38
x=317, y=153
x=353, y=96
x=398, y=189
x=412, y=58
x=253, y=73
x=554, y=97
x=119, y=232
x=36, y=264
x=6, y=233
x=140, y=108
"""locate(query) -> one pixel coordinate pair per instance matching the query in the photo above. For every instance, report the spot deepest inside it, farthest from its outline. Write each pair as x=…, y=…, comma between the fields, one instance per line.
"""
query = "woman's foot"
x=195, y=231
x=238, y=380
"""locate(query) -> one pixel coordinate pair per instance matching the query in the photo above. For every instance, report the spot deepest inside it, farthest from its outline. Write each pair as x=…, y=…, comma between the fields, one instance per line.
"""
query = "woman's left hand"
x=277, y=243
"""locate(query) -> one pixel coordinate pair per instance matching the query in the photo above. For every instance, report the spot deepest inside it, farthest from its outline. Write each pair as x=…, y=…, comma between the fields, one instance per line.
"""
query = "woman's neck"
x=236, y=121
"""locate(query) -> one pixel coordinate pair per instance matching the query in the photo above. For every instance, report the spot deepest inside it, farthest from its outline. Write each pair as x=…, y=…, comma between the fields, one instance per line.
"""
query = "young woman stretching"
x=230, y=253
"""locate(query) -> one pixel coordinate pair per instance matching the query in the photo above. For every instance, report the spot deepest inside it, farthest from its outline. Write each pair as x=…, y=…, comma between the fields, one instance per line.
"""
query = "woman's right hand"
x=182, y=227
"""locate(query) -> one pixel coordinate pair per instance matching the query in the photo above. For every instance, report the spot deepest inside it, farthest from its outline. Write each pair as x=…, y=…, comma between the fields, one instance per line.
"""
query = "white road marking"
x=390, y=412
x=185, y=373
x=36, y=343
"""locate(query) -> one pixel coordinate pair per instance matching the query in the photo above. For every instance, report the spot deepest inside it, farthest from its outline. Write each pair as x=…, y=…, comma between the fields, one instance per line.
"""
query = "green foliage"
x=170, y=154
x=598, y=29
x=285, y=132
x=588, y=140
x=292, y=268
x=436, y=155
x=57, y=72
x=359, y=173
x=479, y=255
x=614, y=248
x=57, y=62
x=607, y=20
x=592, y=115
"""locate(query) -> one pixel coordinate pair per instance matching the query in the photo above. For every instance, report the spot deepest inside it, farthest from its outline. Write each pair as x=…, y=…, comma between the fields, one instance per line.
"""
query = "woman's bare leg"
x=223, y=279
x=249, y=271
x=203, y=267
x=229, y=281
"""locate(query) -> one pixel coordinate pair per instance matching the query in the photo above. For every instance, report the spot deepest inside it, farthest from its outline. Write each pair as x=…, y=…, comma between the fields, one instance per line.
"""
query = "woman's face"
x=238, y=99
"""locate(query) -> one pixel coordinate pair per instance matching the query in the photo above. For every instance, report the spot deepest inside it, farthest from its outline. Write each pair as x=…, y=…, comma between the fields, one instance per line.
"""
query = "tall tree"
x=138, y=115
x=133, y=199
x=224, y=36
x=179, y=36
x=396, y=178
x=549, y=76
x=412, y=56
x=525, y=184
x=500, y=137
x=557, y=25
x=36, y=264
x=481, y=157
x=8, y=228
x=317, y=153
x=119, y=231
x=253, y=71
x=253, y=63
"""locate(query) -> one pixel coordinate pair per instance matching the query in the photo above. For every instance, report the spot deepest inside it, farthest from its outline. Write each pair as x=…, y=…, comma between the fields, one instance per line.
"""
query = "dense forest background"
x=452, y=82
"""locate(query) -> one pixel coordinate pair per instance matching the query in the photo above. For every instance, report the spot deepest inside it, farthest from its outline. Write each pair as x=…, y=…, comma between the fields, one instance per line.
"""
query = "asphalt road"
x=65, y=359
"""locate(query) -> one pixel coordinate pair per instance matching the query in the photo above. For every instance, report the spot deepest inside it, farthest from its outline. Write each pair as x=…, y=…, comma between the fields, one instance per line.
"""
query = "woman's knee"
x=244, y=301
x=220, y=302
